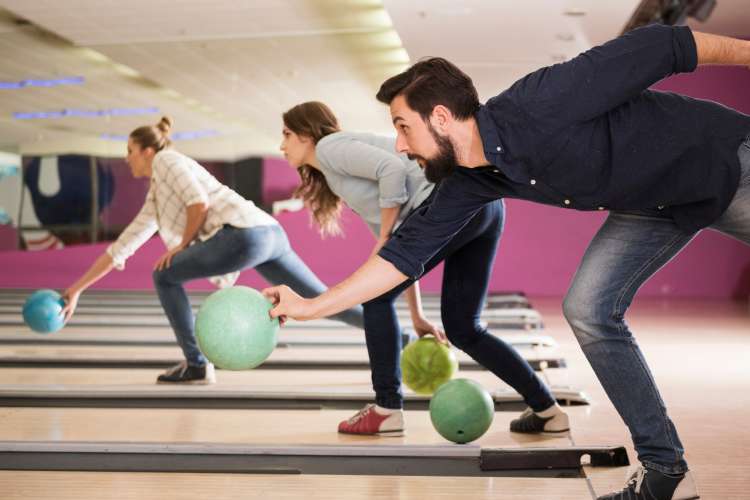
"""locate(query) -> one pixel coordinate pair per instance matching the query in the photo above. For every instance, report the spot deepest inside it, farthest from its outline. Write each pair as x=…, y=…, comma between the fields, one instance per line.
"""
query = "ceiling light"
x=126, y=70
x=36, y=82
x=186, y=135
x=87, y=113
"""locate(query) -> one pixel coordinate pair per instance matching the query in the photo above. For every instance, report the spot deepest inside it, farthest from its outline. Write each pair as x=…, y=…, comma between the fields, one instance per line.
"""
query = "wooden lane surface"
x=288, y=333
x=169, y=354
x=43, y=485
x=258, y=427
x=296, y=380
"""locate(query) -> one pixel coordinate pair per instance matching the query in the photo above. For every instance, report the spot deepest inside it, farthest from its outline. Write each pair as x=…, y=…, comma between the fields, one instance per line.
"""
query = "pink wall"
x=129, y=193
x=59, y=268
x=279, y=180
x=8, y=237
x=538, y=253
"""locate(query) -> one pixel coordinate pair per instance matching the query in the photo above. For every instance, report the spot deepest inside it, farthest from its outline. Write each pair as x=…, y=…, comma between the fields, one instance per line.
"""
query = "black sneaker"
x=185, y=374
x=531, y=423
x=648, y=484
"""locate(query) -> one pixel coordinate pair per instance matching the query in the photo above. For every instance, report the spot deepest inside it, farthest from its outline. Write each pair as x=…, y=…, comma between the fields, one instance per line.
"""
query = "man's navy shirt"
x=588, y=135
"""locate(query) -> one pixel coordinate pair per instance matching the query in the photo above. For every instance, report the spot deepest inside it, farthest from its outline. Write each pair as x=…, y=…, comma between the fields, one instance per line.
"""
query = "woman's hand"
x=70, y=296
x=422, y=327
x=166, y=260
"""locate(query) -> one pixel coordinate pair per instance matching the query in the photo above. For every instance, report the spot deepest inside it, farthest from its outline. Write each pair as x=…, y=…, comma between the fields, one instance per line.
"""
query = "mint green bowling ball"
x=461, y=410
x=427, y=364
x=234, y=330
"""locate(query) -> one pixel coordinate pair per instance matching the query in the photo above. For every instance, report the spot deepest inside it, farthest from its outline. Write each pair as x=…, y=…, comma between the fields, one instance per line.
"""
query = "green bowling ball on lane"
x=234, y=330
x=461, y=410
x=427, y=364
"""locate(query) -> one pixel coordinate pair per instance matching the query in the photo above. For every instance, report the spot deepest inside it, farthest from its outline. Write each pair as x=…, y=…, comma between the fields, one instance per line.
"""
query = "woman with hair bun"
x=210, y=232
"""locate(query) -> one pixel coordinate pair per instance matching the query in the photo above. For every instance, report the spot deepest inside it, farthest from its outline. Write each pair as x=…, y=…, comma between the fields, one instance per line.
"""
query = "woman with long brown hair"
x=209, y=231
x=385, y=188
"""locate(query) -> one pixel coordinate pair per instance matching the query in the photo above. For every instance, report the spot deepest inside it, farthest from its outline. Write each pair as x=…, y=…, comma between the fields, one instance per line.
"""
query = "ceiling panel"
x=235, y=65
x=103, y=22
x=499, y=41
x=224, y=65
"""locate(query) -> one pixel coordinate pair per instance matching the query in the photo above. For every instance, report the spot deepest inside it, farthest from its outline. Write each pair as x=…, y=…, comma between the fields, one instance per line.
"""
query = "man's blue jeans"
x=468, y=265
x=266, y=248
x=628, y=249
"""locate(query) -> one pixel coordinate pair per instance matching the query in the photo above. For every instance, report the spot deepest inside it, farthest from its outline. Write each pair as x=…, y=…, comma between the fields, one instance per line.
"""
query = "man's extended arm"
x=374, y=278
x=424, y=233
x=716, y=49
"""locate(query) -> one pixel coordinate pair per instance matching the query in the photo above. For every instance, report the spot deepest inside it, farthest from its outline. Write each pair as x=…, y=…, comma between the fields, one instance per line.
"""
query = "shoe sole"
x=543, y=433
x=556, y=433
x=186, y=382
x=379, y=434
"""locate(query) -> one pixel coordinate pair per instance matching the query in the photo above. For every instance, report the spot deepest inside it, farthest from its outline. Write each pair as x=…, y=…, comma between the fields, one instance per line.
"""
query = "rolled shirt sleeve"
x=428, y=229
x=143, y=226
x=175, y=170
x=606, y=76
x=348, y=156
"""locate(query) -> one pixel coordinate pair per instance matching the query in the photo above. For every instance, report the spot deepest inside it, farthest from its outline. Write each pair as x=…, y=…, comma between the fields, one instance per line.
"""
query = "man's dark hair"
x=431, y=82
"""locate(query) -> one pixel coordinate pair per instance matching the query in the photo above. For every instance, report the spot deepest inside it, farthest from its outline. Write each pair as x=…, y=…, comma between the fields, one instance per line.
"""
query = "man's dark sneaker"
x=550, y=421
x=183, y=373
x=648, y=484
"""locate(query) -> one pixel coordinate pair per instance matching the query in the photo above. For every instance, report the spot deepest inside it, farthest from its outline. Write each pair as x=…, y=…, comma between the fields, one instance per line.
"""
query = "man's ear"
x=441, y=118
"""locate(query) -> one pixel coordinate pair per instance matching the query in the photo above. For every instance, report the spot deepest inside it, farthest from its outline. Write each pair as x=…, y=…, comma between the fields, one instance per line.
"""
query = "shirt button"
x=567, y=202
x=499, y=148
x=660, y=207
x=533, y=181
x=600, y=208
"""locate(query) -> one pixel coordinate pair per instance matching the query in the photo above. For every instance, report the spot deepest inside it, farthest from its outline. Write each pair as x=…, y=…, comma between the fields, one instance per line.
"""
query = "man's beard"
x=443, y=163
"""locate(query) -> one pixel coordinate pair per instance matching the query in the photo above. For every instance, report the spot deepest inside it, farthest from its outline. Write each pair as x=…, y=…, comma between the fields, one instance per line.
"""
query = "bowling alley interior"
x=374, y=249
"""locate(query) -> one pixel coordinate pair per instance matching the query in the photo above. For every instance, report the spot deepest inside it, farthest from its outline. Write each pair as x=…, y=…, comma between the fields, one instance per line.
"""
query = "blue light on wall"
x=176, y=136
x=195, y=134
x=4, y=217
x=34, y=82
x=8, y=171
x=88, y=113
x=114, y=137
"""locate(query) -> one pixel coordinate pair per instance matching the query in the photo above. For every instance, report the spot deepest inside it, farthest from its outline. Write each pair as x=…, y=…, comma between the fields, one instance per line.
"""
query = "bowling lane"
x=292, y=380
x=313, y=333
x=266, y=427
x=173, y=353
x=162, y=332
x=44, y=485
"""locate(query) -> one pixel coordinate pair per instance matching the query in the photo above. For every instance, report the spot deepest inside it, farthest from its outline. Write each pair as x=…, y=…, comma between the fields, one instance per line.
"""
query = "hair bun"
x=165, y=125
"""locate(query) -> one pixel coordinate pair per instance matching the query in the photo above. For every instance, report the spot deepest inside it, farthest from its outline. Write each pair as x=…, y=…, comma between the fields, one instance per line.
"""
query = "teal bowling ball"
x=41, y=311
x=234, y=330
x=461, y=410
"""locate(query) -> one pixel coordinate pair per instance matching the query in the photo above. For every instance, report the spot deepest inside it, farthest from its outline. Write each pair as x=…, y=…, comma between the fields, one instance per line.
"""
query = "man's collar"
x=491, y=143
